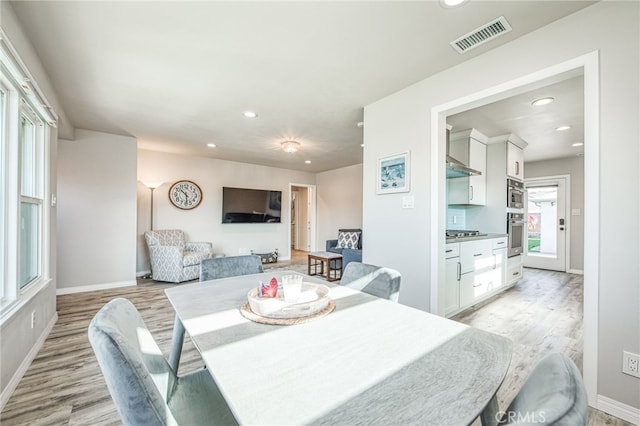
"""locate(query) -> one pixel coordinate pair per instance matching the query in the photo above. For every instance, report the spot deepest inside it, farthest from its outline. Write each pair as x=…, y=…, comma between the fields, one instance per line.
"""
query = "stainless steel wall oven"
x=515, y=194
x=515, y=233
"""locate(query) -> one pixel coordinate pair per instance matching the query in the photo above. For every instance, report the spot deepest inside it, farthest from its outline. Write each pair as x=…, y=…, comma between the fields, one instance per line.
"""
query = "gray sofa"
x=348, y=254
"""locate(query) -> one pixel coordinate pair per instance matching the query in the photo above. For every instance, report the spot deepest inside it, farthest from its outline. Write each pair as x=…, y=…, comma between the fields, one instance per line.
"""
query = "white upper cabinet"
x=515, y=161
x=469, y=147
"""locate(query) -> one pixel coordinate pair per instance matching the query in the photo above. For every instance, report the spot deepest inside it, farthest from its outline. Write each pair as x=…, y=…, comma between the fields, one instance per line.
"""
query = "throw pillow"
x=348, y=240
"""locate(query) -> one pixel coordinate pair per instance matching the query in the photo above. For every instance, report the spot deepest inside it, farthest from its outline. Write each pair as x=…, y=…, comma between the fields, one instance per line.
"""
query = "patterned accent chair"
x=173, y=259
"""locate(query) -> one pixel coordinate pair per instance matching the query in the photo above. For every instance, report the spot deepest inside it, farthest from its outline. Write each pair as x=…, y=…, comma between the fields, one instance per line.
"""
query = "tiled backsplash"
x=456, y=217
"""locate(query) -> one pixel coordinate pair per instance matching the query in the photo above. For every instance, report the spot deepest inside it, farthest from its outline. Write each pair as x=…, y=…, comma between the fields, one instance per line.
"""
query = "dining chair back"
x=553, y=394
x=232, y=266
x=375, y=280
x=144, y=388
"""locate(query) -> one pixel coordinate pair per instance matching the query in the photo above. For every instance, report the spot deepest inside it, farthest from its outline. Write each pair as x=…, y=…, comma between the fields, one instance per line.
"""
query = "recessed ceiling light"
x=577, y=144
x=542, y=101
x=361, y=145
x=562, y=128
x=211, y=145
x=250, y=114
x=307, y=161
x=452, y=3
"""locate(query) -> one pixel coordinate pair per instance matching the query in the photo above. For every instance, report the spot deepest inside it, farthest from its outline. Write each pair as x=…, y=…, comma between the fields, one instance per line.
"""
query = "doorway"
x=588, y=65
x=302, y=219
x=547, y=223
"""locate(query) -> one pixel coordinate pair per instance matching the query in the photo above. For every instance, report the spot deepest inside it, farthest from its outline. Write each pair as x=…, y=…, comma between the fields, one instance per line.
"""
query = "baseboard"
x=95, y=287
x=141, y=274
x=618, y=409
x=26, y=363
x=576, y=271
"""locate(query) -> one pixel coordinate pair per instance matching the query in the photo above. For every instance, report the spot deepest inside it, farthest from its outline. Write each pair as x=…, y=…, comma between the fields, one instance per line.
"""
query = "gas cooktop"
x=460, y=233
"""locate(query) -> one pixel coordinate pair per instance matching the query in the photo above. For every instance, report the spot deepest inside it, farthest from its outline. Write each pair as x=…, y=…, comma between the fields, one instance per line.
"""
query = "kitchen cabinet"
x=514, y=269
x=515, y=161
x=474, y=271
x=452, y=279
x=470, y=148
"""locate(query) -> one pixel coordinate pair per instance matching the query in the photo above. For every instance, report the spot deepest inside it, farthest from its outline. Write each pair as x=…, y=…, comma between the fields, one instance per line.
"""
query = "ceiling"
x=536, y=125
x=179, y=75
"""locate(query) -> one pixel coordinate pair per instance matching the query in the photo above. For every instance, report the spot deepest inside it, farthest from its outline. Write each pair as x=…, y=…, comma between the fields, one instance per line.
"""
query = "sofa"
x=347, y=245
x=173, y=259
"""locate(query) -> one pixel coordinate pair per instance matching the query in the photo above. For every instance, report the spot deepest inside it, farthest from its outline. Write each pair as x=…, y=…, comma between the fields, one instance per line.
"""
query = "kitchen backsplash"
x=456, y=217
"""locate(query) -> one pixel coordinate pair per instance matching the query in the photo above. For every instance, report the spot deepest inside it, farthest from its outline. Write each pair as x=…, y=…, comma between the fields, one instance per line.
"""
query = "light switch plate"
x=408, y=202
x=575, y=212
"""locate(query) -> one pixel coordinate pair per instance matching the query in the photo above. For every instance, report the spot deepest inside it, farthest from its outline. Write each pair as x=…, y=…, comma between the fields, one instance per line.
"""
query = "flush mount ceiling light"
x=211, y=145
x=562, y=128
x=307, y=161
x=542, y=101
x=250, y=114
x=577, y=144
x=290, y=146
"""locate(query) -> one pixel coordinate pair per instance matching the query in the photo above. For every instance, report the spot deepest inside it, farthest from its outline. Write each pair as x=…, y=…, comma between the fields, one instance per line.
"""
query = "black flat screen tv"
x=242, y=205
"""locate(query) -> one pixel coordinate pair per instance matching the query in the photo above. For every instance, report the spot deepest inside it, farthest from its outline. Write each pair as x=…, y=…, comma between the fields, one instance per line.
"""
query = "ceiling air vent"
x=481, y=35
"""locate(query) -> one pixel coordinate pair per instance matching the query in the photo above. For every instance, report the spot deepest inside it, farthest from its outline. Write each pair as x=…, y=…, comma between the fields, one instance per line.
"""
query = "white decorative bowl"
x=313, y=299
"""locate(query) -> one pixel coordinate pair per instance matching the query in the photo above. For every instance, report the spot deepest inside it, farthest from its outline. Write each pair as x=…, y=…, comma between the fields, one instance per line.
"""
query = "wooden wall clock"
x=185, y=195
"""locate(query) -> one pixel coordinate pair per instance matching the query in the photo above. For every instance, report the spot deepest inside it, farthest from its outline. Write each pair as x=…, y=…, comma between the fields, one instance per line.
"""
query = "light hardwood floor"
x=64, y=385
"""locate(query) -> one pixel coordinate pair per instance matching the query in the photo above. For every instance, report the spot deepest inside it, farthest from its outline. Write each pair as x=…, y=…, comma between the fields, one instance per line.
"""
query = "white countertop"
x=475, y=238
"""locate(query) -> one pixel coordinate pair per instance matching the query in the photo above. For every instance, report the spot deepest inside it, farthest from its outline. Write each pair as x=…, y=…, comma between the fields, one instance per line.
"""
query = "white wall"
x=402, y=122
x=573, y=167
x=339, y=202
x=96, y=210
x=204, y=223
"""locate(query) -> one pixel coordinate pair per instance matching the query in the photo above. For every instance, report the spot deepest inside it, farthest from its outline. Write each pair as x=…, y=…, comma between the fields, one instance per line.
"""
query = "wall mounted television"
x=243, y=205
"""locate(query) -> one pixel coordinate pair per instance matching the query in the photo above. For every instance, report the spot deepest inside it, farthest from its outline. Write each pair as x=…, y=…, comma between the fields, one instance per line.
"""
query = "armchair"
x=345, y=245
x=172, y=258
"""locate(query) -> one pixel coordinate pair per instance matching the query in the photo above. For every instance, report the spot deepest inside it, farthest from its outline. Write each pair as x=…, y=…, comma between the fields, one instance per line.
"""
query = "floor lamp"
x=152, y=186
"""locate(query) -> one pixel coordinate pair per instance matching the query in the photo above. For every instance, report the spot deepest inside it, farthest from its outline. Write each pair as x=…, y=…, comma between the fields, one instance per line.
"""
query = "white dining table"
x=370, y=361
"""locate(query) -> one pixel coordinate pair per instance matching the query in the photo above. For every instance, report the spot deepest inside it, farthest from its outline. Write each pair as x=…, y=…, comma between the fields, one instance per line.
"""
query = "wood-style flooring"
x=64, y=384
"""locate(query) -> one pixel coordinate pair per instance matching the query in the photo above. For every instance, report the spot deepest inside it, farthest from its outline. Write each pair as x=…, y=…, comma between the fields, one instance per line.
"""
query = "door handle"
x=459, y=272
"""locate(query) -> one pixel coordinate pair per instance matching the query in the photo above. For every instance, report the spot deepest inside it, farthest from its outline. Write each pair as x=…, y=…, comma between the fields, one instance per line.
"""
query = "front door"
x=546, y=229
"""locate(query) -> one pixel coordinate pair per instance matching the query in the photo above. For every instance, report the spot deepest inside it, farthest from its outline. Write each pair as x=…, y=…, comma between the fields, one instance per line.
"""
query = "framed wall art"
x=393, y=174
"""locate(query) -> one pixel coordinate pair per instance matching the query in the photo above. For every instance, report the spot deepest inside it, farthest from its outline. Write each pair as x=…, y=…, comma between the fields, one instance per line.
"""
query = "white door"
x=547, y=227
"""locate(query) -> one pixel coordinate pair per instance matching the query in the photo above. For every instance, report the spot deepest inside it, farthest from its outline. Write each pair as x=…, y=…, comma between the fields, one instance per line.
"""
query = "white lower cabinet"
x=478, y=272
x=514, y=269
x=452, y=280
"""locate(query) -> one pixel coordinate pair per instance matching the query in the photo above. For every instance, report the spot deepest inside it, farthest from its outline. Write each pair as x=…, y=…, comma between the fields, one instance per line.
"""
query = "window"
x=25, y=123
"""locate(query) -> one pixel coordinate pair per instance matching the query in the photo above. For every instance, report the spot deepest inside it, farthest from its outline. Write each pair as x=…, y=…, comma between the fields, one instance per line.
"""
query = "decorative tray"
x=314, y=298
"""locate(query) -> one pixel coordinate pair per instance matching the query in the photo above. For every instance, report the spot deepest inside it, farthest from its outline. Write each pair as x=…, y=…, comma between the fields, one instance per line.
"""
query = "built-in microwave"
x=515, y=194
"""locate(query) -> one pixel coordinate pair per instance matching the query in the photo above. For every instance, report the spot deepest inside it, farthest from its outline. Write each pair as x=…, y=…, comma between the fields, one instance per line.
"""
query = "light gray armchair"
x=145, y=390
x=173, y=259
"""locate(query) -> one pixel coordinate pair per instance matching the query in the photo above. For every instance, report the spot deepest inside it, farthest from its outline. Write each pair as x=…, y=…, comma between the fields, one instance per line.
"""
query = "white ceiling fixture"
x=211, y=145
x=307, y=162
x=563, y=128
x=250, y=114
x=481, y=35
x=543, y=101
x=290, y=147
x=577, y=144
x=449, y=4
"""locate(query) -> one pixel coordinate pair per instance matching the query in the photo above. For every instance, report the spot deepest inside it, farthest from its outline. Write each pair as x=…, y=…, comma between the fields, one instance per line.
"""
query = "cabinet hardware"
x=517, y=168
x=459, y=271
x=477, y=254
x=449, y=251
x=516, y=273
x=471, y=191
x=501, y=242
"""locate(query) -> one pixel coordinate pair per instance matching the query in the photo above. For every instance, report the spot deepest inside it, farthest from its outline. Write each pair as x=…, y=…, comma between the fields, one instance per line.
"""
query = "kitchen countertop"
x=475, y=238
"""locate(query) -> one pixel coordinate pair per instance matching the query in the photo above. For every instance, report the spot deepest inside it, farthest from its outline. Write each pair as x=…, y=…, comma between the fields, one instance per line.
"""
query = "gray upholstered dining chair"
x=145, y=390
x=553, y=394
x=375, y=280
x=213, y=269
x=231, y=266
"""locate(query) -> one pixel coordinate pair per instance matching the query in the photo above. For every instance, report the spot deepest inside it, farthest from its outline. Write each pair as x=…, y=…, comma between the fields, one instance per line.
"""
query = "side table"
x=326, y=264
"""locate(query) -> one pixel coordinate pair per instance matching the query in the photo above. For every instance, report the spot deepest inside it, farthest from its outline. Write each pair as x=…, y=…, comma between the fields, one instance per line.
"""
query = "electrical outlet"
x=631, y=364
x=33, y=319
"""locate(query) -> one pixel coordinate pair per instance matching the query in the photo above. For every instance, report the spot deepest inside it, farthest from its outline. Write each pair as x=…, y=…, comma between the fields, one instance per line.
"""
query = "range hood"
x=456, y=168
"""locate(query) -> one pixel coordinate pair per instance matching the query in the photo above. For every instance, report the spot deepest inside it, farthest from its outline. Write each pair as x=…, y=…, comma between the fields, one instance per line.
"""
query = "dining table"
x=369, y=361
